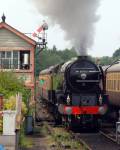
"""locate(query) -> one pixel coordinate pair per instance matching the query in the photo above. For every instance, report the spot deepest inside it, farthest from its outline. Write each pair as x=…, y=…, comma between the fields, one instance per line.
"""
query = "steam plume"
x=76, y=18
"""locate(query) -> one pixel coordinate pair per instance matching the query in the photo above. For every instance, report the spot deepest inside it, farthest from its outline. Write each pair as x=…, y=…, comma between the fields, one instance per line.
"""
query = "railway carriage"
x=113, y=89
x=75, y=89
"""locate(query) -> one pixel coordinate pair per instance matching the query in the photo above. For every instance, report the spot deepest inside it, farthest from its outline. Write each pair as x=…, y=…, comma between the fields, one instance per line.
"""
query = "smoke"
x=75, y=17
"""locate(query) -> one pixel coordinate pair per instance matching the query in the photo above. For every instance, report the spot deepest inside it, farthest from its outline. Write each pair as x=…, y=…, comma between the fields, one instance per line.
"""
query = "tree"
x=116, y=53
x=105, y=60
x=54, y=48
x=53, y=56
x=67, y=54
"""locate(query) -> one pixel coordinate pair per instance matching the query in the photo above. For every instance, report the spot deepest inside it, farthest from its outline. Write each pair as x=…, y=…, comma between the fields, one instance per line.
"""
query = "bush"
x=10, y=104
x=10, y=85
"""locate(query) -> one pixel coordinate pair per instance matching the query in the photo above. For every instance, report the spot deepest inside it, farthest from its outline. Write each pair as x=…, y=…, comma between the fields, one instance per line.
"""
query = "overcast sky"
x=24, y=16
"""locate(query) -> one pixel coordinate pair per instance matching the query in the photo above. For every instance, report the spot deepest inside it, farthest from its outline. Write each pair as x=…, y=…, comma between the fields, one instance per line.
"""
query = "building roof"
x=18, y=33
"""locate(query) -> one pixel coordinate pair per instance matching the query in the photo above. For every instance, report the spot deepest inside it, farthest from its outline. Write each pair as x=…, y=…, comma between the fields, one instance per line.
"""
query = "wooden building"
x=17, y=53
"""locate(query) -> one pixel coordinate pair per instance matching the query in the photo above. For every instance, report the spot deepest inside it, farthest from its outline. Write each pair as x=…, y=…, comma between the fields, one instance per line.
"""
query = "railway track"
x=103, y=140
x=96, y=141
x=109, y=133
x=90, y=141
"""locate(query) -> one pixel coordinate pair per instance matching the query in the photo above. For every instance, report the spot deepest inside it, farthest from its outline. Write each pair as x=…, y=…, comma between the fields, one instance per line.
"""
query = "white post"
x=9, y=122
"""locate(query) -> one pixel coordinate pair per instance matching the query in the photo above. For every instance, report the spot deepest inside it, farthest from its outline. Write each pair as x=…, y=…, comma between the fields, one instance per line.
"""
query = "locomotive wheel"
x=66, y=122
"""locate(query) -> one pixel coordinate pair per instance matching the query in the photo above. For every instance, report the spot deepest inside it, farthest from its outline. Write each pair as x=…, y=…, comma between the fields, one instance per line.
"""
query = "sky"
x=24, y=16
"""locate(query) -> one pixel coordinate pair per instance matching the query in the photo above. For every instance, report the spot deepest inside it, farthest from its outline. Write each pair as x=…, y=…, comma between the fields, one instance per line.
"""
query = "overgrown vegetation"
x=64, y=139
x=59, y=138
x=10, y=104
x=25, y=142
x=10, y=85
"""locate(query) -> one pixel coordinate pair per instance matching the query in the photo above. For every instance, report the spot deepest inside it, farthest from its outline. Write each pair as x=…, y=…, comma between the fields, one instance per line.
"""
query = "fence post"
x=18, y=119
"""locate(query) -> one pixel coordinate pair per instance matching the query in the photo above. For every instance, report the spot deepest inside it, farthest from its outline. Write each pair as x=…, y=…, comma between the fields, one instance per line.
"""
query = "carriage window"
x=118, y=85
x=115, y=85
x=112, y=84
x=109, y=84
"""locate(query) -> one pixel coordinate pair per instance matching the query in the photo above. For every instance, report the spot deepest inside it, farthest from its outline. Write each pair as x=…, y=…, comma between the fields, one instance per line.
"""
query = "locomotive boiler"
x=75, y=89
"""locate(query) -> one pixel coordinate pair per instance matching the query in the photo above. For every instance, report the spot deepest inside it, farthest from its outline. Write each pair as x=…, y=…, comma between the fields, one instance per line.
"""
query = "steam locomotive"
x=75, y=90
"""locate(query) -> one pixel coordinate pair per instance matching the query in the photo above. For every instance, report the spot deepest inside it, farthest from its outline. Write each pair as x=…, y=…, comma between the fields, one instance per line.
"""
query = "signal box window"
x=25, y=60
x=7, y=59
x=14, y=59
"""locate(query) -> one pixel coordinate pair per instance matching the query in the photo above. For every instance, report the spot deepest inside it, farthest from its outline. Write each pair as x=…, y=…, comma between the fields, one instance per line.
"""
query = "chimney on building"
x=3, y=18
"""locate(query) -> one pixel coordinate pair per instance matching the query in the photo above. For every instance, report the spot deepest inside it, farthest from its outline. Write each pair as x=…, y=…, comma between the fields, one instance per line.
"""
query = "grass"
x=64, y=138
x=26, y=142
x=55, y=137
x=60, y=138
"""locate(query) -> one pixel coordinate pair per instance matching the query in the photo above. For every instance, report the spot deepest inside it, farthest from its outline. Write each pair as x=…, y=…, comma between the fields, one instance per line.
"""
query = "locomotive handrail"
x=88, y=81
x=84, y=68
x=90, y=71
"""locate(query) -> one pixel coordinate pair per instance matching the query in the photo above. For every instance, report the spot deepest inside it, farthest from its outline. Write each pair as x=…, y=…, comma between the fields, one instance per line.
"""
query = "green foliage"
x=10, y=85
x=62, y=137
x=105, y=60
x=25, y=142
x=116, y=53
x=51, y=57
x=54, y=56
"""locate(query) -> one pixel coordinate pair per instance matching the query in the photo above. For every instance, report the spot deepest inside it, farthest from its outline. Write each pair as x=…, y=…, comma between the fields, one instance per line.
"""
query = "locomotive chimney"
x=83, y=57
